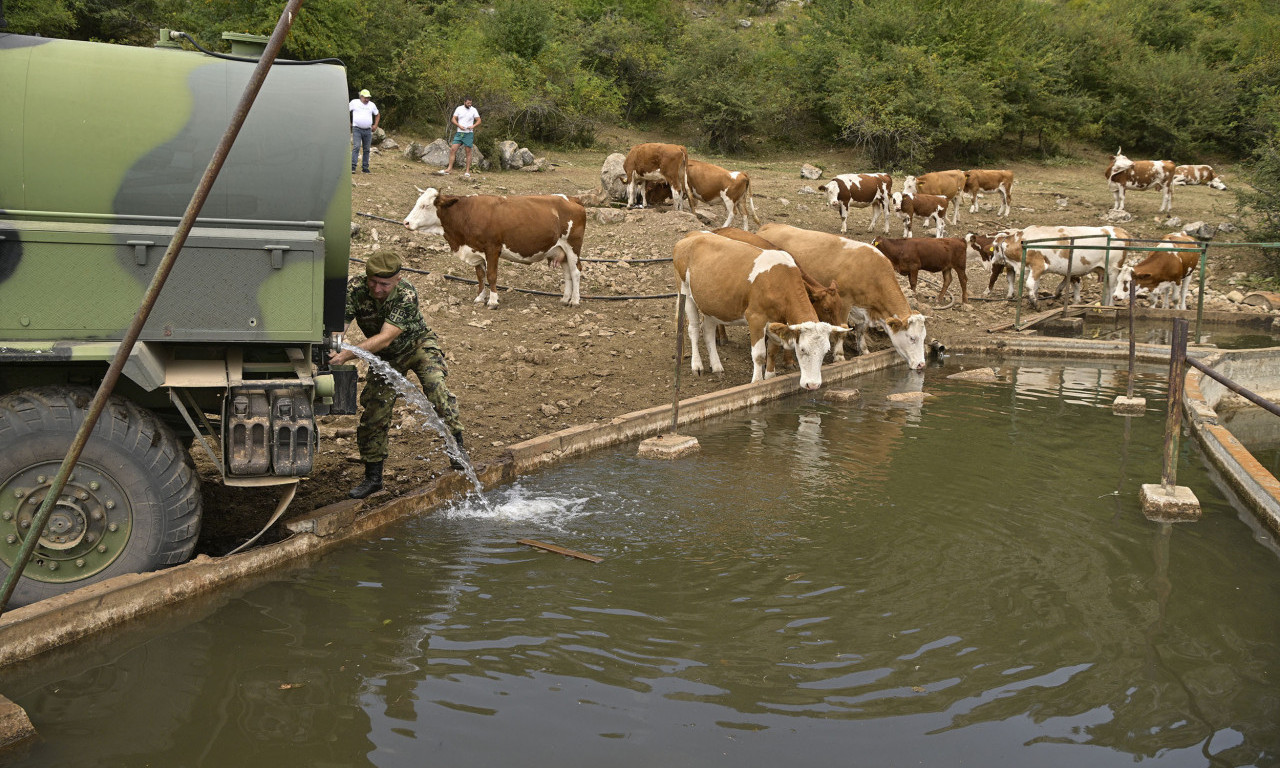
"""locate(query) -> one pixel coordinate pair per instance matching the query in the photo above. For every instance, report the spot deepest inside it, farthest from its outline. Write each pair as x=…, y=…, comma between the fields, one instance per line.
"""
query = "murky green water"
x=970, y=582
x=1221, y=335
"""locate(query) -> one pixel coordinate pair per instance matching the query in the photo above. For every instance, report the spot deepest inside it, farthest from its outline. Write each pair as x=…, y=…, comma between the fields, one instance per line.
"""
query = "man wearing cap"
x=386, y=309
x=364, y=121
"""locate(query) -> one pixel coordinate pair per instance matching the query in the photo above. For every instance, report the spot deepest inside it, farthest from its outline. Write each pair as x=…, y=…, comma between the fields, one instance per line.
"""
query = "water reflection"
x=954, y=581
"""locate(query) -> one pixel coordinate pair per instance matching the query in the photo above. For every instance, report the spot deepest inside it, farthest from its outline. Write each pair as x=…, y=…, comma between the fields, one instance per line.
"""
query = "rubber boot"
x=453, y=462
x=372, y=481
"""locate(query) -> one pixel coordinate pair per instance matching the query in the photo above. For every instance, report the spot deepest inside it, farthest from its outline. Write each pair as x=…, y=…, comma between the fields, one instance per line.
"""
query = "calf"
x=1123, y=173
x=657, y=162
x=1191, y=175
x=948, y=184
x=859, y=190
x=989, y=181
x=865, y=279
x=908, y=206
x=711, y=182
x=982, y=247
x=1163, y=272
x=941, y=254
x=1093, y=252
x=727, y=281
x=480, y=229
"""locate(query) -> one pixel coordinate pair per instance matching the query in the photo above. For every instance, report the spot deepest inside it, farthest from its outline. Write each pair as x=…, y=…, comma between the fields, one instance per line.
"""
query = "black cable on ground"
x=529, y=290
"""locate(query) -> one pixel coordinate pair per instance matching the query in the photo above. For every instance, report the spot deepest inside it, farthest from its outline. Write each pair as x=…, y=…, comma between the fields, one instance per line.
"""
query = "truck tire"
x=132, y=503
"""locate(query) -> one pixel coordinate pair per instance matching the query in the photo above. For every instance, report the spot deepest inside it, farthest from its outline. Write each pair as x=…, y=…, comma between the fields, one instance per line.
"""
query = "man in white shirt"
x=467, y=120
x=364, y=121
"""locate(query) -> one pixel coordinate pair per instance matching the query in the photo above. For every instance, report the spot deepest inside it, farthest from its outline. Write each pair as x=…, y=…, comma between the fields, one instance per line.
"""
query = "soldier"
x=386, y=309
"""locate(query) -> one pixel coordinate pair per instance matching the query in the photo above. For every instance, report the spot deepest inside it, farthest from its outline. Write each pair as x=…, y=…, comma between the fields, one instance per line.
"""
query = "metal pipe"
x=675, y=402
x=1252, y=397
x=1204, y=264
x=1133, y=343
x=1173, y=418
x=149, y=299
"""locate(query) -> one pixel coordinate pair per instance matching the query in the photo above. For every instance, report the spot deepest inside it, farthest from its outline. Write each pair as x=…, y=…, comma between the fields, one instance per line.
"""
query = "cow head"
x=827, y=302
x=1119, y=164
x=832, y=190
x=908, y=186
x=907, y=337
x=424, y=217
x=981, y=246
x=810, y=342
x=895, y=200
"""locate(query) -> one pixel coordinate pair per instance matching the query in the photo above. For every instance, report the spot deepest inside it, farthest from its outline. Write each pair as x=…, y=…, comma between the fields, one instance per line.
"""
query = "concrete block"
x=842, y=395
x=1129, y=406
x=327, y=520
x=668, y=446
x=1178, y=507
x=985, y=375
x=907, y=397
x=14, y=723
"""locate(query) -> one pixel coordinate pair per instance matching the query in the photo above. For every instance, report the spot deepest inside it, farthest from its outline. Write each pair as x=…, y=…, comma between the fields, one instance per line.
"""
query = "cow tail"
x=750, y=202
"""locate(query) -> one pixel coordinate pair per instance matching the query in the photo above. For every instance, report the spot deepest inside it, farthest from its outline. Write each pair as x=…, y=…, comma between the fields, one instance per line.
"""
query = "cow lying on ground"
x=1123, y=173
x=1191, y=175
x=865, y=279
x=908, y=206
x=860, y=190
x=989, y=181
x=724, y=281
x=1048, y=252
x=657, y=162
x=480, y=229
x=948, y=184
x=1163, y=272
x=939, y=254
x=982, y=247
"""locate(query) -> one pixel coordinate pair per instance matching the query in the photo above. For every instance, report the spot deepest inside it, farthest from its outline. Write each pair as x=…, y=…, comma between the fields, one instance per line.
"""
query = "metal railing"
x=1178, y=362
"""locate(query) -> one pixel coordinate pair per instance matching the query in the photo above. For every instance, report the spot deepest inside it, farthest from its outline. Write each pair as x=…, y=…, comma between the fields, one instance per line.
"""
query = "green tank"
x=101, y=148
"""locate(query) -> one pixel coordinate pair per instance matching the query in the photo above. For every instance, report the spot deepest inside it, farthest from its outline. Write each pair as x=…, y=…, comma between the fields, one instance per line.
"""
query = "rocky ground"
x=533, y=366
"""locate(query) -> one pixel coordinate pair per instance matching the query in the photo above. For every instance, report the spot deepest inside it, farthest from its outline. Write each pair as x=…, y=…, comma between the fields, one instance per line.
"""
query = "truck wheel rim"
x=88, y=528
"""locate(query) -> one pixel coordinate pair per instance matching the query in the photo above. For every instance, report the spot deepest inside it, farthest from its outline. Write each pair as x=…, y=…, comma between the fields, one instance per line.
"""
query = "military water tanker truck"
x=101, y=148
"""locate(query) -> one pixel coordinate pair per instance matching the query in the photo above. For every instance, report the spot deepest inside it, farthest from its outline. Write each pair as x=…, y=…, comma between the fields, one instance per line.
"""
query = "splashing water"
x=517, y=505
x=418, y=400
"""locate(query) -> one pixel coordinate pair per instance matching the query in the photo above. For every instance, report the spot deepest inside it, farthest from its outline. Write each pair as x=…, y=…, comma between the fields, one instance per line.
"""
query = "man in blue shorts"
x=467, y=120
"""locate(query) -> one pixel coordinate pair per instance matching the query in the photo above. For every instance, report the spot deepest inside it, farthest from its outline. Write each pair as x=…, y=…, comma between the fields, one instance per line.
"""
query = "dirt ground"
x=533, y=366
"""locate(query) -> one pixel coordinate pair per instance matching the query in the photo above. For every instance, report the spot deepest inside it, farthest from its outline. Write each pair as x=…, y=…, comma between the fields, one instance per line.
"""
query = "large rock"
x=609, y=173
x=526, y=156
x=810, y=172
x=437, y=153
x=509, y=158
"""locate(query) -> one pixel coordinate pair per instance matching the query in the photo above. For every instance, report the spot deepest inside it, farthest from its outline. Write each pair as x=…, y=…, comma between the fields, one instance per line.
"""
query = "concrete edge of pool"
x=55, y=622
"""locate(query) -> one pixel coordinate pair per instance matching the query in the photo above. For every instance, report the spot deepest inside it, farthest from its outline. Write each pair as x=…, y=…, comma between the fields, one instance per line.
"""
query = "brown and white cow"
x=527, y=229
x=733, y=188
x=724, y=281
x=1163, y=271
x=908, y=206
x=827, y=301
x=982, y=247
x=939, y=254
x=866, y=280
x=1192, y=175
x=1123, y=173
x=989, y=181
x=657, y=162
x=949, y=184
x=1049, y=250
x=859, y=190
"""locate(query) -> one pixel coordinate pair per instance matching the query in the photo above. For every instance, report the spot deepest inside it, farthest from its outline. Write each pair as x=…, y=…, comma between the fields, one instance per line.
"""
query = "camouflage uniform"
x=416, y=349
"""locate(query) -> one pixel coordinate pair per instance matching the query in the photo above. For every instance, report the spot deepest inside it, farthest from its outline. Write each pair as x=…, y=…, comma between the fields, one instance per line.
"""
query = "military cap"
x=382, y=264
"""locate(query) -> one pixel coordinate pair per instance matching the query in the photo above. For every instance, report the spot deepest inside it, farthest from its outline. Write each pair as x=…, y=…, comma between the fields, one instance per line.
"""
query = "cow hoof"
x=493, y=304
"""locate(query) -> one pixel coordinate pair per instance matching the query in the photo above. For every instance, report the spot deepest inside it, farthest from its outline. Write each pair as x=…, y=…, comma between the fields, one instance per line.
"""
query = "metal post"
x=1204, y=264
x=1071, y=257
x=1133, y=343
x=1173, y=421
x=149, y=299
x=1022, y=275
x=675, y=402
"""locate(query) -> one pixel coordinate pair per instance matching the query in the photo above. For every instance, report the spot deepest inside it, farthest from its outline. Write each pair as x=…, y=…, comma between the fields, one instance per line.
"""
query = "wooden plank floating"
x=560, y=550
